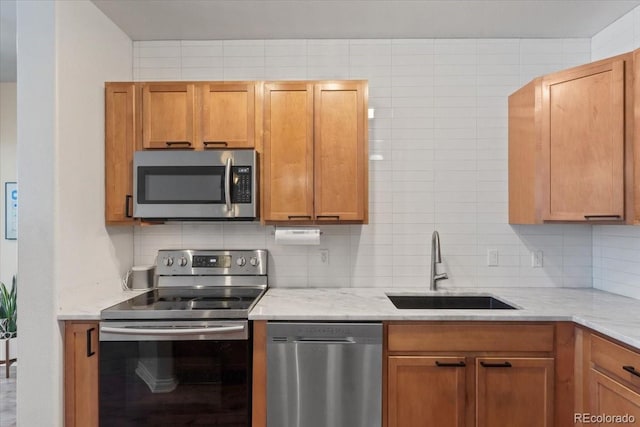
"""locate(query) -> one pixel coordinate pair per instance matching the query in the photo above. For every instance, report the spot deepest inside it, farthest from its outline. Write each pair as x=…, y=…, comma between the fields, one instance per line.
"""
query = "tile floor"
x=8, y=398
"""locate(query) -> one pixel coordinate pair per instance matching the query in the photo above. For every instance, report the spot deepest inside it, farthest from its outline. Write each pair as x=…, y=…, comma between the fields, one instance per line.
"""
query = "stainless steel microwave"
x=195, y=185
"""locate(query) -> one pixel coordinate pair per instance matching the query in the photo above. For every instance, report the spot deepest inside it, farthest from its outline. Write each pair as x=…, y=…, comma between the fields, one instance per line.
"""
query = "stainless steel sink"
x=449, y=302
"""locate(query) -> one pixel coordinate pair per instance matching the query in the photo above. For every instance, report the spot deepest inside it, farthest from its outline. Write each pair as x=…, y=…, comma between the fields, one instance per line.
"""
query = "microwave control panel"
x=241, y=192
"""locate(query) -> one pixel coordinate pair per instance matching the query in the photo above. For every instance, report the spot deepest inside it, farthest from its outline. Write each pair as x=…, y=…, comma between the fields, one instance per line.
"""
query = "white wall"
x=441, y=129
x=72, y=49
x=621, y=36
x=616, y=249
x=90, y=51
x=8, y=248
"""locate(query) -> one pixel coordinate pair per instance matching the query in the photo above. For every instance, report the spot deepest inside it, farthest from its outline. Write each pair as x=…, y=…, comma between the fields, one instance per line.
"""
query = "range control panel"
x=201, y=262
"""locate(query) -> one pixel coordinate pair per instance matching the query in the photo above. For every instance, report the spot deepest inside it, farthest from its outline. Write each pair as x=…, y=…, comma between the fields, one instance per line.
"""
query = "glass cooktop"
x=187, y=303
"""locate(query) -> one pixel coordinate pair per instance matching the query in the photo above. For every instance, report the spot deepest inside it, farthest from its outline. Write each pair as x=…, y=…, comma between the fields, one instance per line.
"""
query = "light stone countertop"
x=85, y=303
x=615, y=316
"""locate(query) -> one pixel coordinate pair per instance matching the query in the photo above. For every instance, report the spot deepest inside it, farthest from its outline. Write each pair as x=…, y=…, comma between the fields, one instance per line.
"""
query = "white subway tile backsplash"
x=203, y=73
x=464, y=47
x=159, y=50
x=159, y=74
x=250, y=48
x=285, y=48
x=201, y=49
x=202, y=62
x=616, y=249
x=441, y=129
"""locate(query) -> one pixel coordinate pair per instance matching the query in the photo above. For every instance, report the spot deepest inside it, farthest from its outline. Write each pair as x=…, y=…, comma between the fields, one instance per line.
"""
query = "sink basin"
x=448, y=302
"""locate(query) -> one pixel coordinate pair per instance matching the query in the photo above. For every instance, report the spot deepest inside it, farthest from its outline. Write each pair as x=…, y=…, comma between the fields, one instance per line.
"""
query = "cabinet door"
x=583, y=143
x=81, y=374
x=609, y=397
x=340, y=137
x=168, y=115
x=426, y=391
x=287, y=189
x=514, y=392
x=228, y=115
x=120, y=143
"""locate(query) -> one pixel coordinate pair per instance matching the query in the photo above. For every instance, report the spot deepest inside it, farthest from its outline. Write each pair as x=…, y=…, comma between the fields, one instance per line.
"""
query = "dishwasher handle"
x=305, y=340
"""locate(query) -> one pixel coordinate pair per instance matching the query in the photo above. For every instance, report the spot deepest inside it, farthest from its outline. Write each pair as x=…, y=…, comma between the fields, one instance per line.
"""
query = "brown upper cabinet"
x=121, y=140
x=198, y=115
x=570, y=152
x=315, y=152
x=228, y=115
x=168, y=113
x=314, y=159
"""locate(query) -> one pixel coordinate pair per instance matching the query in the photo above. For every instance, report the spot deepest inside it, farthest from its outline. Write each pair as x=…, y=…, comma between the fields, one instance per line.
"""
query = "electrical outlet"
x=324, y=256
x=536, y=259
x=492, y=258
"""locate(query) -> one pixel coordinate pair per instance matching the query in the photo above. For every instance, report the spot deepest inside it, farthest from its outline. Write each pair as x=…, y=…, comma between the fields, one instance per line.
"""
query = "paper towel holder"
x=273, y=233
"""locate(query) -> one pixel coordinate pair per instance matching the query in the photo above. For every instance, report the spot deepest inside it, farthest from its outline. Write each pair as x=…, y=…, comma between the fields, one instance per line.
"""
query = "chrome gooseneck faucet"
x=436, y=258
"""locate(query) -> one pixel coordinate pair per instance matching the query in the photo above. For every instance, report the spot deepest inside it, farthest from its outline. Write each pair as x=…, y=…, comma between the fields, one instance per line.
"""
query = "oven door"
x=175, y=373
x=205, y=185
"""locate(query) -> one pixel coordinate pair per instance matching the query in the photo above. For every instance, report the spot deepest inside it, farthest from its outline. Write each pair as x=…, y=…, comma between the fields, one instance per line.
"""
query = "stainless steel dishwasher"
x=324, y=374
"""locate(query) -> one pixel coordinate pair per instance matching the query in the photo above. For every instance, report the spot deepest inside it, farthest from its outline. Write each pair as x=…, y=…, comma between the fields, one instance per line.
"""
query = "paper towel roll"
x=297, y=236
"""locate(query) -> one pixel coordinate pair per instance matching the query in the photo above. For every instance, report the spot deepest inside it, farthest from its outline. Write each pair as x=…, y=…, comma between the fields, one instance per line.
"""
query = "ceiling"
x=273, y=19
x=285, y=19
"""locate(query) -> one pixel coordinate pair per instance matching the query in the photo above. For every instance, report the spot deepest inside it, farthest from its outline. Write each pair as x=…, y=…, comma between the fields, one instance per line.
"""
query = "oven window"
x=175, y=383
x=180, y=184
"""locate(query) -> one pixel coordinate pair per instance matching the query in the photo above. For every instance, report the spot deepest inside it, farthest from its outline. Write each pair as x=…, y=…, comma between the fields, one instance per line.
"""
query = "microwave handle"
x=227, y=184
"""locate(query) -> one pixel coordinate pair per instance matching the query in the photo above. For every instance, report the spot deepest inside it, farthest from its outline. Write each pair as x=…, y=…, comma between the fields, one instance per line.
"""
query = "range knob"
x=241, y=261
x=182, y=261
x=168, y=261
x=254, y=261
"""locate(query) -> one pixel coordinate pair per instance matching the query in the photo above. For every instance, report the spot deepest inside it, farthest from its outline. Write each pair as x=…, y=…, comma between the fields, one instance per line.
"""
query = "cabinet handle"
x=207, y=143
x=495, y=365
x=127, y=202
x=631, y=370
x=336, y=217
x=90, y=351
x=170, y=143
x=590, y=217
x=299, y=216
x=450, y=365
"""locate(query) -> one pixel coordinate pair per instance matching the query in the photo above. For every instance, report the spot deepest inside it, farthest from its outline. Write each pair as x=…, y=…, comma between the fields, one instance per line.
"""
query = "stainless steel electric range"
x=180, y=354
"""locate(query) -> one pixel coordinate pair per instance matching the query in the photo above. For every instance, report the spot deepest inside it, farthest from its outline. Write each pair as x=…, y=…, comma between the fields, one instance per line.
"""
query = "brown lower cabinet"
x=81, y=345
x=461, y=374
x=427, y=390
x=612, y=383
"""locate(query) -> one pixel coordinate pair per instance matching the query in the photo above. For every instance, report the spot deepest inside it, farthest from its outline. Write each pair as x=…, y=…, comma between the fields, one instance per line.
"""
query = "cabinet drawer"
x=473, y=336
x=616, y=361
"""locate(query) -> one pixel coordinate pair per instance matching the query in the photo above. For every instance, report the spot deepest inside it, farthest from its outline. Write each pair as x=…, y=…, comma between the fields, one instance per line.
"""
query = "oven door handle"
x=171, y=331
